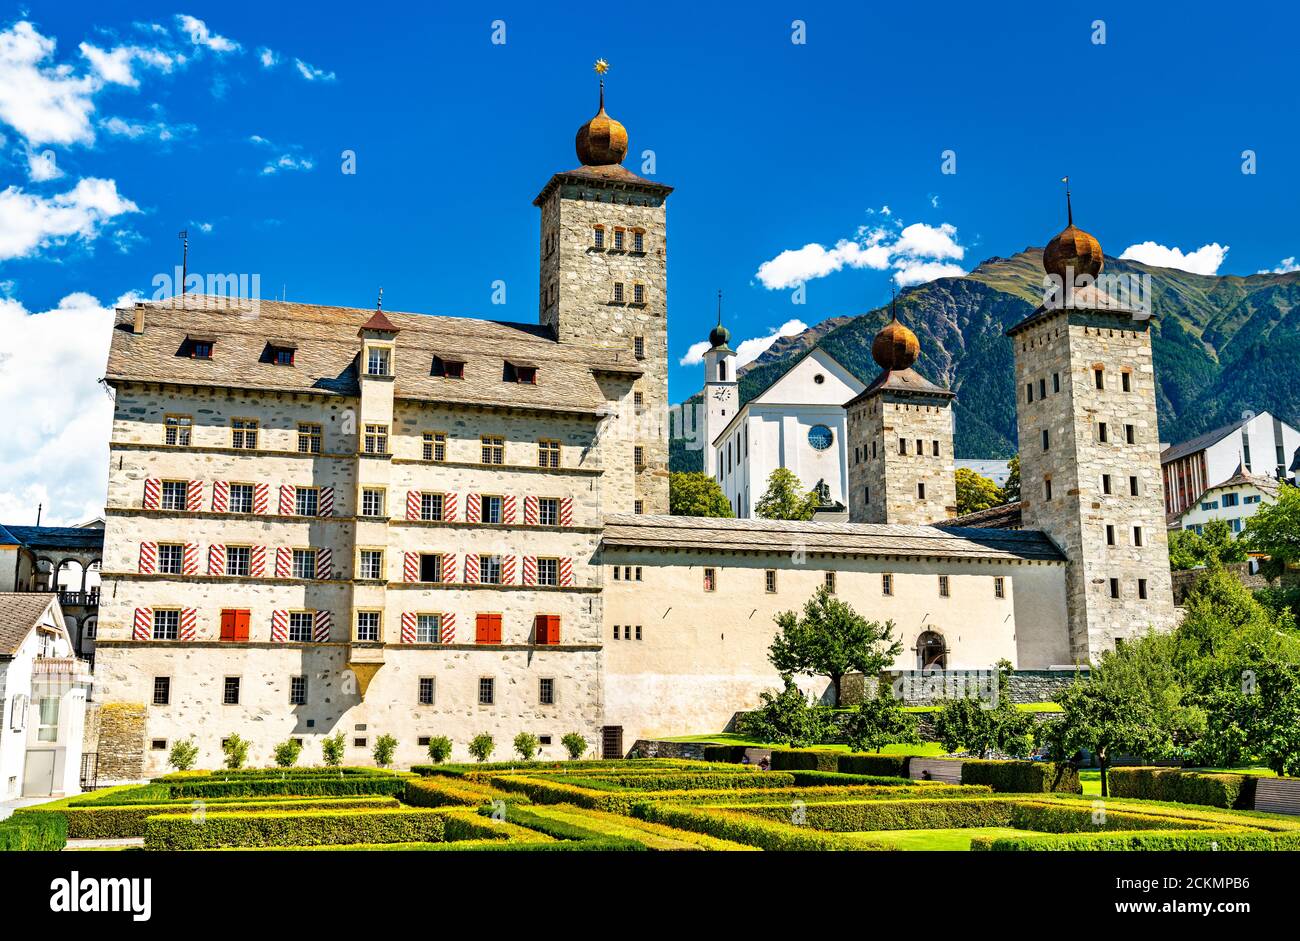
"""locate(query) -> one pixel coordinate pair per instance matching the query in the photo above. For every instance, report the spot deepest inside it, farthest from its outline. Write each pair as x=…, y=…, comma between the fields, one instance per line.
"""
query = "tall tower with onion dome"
x=900, y=432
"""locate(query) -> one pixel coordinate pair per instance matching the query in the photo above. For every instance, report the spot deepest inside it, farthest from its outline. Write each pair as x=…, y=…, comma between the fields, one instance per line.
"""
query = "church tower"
x=721, y=392
x=1090, y=449
x=900, y=439
x=604, y=284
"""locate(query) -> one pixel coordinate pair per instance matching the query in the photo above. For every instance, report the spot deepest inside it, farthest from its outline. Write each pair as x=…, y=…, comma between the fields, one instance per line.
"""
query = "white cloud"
x=695, y=353
x=42, y=166
x=311, y=73
x=928, y=241
x=1204, y=260
x=288, y=163
x=912, y=251
x=46, y=104
x=268, y=57
x=796, y=265
x=200, y=35
x=29, y=222
x=909, y=271
x=748, y=350
x=114, y=67
x=1285, y=266
x=158, y=130
x=57, y=454
x=204, y=227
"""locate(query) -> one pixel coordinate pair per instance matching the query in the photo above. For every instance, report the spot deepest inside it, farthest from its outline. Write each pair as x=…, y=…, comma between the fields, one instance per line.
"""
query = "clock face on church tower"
x=722, y=394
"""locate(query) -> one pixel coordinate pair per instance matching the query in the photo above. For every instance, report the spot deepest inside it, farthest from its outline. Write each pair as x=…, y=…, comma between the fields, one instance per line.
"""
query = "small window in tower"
x=920, y=448
x=902, y=445
x=1114, y=587
x=1105, y=483
x=1047, y=488
x=638, y=292
x=1142, y=588
x=1056, y=382
x=999, y=586
x=1099, y=377
x=944, y=587
x=830, y=582
x=1133, y=486
x=1126, y=381
x=638, y=347
x=1029, y=392
x=769, y=581
x=1046, y=440
x=936, y=448
x=638, y=240
x=920, y=491
x=886, y=585
x=710, y=579
x=1137, y=536
x=638, y=507
x=1103, y=433
x=1042, y=388
x=598, y=238
x=866, y=495
x=1130, y=434
x=619, y=237
x=1110, y=534
x=618, y=292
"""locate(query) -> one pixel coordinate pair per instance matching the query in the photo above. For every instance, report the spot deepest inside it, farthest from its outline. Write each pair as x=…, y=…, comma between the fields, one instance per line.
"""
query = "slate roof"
x=19, y=612
x=606, y=175
x=1006, y=516
x=1200, y=442
x=55, y=537
x=325, y=360
x=906, y=381
x=864, y=539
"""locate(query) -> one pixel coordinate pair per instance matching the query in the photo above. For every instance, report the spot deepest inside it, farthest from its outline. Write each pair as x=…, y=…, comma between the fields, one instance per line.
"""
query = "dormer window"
x=448, y=368
x=282, y=357
x=198, y=347
x=521, y=372
x=279, y=352
x=378, y=361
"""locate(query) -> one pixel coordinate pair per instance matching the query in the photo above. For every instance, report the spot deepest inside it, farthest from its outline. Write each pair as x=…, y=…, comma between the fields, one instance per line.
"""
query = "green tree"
x=1106, y=720
x=983, y=727
x=385, y=745
x=975, y=492
x=880, y=721
x=786, y=498
x=184, y=754
x=1011, y=489
x=1186, y=550
x=691, y=493
x=439, y=749
x=287, y=752
x=832, y=640
x=235, y=750
x=526, y=745
x=1216, y=545
x=481, y=746
x=574, y=744
x=332, y=750
x=1258, y=715
x=785, y=718
x=1275, y=530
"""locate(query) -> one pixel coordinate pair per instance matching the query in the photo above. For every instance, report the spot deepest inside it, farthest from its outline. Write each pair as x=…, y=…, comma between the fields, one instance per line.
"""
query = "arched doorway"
x=931, y=651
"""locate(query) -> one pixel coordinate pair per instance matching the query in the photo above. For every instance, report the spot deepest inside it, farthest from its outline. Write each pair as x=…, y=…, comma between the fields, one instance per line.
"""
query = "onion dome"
x=895, y=347
x=720, y=336
x=1073, y=250
x=602, y=141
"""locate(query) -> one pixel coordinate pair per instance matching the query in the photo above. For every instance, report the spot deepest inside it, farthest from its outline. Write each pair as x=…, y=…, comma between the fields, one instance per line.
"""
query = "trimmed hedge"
x=538, y=843
x=613, y=765
x=855, y=792
x=686, y=781
x=1080, y=818
x=1147, y=841
x=467, y=823
x=834, y=779
x=282, y=828
x=595, y=824
x=128, y=820
x=448, y=792
x=730, y=754
x=1022, y=777
x=33, y=831
x=223, y=774
x=313, y=785
x=747, y=828
x=804, y=759
x=917, y=814
x=1230, y=791
x=890, y=766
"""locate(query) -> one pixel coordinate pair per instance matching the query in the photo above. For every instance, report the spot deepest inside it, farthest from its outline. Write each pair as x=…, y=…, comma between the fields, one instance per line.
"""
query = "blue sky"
x=230, y=119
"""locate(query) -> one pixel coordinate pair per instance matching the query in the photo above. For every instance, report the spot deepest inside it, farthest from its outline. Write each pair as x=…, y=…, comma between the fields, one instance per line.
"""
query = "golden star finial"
x=601, y=66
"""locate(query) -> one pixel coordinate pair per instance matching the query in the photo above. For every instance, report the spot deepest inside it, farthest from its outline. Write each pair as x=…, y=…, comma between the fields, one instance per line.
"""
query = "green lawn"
x=938, y=839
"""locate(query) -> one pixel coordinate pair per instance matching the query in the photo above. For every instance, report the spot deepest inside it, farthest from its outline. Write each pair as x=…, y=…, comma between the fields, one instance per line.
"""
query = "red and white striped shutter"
x=412, y=504
x=408, y=627
x=257, y=562
x=471, y=569
x=194, y=496
x=261, y=499
x=324, y=563
x=447, y=629
x=326, y=505
x=449, y=567
x=530, y=511
x=411, y=567
x=566, y=573
x=216, y=559
x=220, y=496
x=189, y=623
x=148, y=559
x=152, y=494
x=507, y=570
x=322, y=626
x=473, y=508
x=449, y=507
x=142, y=629
x=566, y=511
x=190, y=559
x=288, y=494
x=530, y=570
x=279, y=626
x=283, y=561
x=507, y=509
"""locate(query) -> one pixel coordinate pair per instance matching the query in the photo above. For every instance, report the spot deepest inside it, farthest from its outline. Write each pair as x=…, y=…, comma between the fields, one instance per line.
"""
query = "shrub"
x=749, y=829
x=482, y=746
x=839, y=779
x=236, y=751
x=730, y=754
x=284, y=828
x=686, y=781
x=785, y=717
x=1036, y=777
x=1148, y=841
x=332, y=750
x=439, y=749
x=908, y=814
x=1231, y=791
x=575, y=745
x=184, y=754
x=385, y=745
x=33, y=831
x=313, y=785
x=784, y=759
x=1078, y=817
x=449, y=792
x=128, y=820
x=526, y=745
x=287, y=752
x=889, y=766
x=575, y=823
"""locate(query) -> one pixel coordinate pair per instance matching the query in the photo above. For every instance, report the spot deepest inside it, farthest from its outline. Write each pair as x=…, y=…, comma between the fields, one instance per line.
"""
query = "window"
x=230, y=691
x=377, y=361
x=489, y=569
x=1047, y=488
x=886, y=585
x=376, y=439
x=177, y=430
x=548, y=453
x=306, y=501
x=710, y=579
x=618, y=292
x=1056, y=382
x=431, y=506
x=282, y=355
x=494, y=449
x=158, y=744
x=297, y=690
x=1042, y=388
x=174, y=494
x=548, y=572
x=162, y=690
x=866, y=494
x=829, y=582
x=638, y=292
x=237, y=560
x=920, y=448
x=1114, y=587
x=448, y=368
x=304, y=563
x=598, y=238
x=489, y=509
x=1126, y=381
x=486, y=691
x=1229, y=499
x=428, y=629
x=618, y=239
x=546, y=629
x=638, y=240
x=902, y=445
x=546, y=691
x=943, y=586
x=359, y=743
x=524, y=374
x=1137, y=535
x=368, y=625
x=1133, y=486
x=1142, y=588
x=1110, y=534
x=426, y=691
x=1029, y=393
x=1046, y=440
x=241, y=498
x=769, y=581
x=309, y=438
x=171, y=557
x=638, y=507
x=48, y=728
x=234, y=624
x=487, y=628
x=548, y=511
x=435, y=446
x=638, y=632
x=638, y=456
x=200, y=349
x=920, y=491
x=243, y=433
x=1130, y=434
x=430, y=567
x=300, y=626
x=1105, y=483
x=935, y=451
x=638, y=399
x=999, y=586
x=1099, y=377
x=638, y=347
x=372, y=564
x=1103, y=433
x=372, y=501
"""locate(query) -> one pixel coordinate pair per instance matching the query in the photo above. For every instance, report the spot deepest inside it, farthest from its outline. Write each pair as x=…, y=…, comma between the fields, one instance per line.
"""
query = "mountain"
x=1223, y=344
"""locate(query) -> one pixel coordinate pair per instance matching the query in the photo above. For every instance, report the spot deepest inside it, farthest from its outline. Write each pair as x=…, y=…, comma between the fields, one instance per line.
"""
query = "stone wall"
x=121, y=744
x=884, y=482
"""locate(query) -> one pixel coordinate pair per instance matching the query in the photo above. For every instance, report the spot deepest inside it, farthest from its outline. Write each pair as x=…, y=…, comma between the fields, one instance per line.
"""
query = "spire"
x=602, y=141
x=720, y=336
x=1073, y=251
x=1069, y=210
x=719, y=307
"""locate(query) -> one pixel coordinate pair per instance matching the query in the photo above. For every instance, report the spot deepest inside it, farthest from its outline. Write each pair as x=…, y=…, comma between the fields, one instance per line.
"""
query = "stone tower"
x=900, y=439
x=721, y=391
x=604, y=284
x=1090, y=450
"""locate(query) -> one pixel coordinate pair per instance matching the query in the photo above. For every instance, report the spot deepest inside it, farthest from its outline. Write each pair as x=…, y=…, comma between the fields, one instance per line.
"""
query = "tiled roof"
x=56, y=537
x=1200, y=442
x=327, y=350
x=19, y=612
x=1091, y=299
x=1006, y=516
x=865, y=539
x=907, y=381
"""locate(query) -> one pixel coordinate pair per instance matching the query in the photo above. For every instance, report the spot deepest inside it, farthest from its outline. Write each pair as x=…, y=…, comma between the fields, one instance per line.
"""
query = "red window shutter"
x=241, y=625
x=553, y=629
x=496, y=628
x=228, y=631
x=487, y=629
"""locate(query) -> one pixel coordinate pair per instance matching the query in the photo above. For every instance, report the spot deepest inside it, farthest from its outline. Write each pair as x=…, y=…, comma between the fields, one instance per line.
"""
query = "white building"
x=43, y=695
x=1260, y=445
x=797, y=422
x=1235, y=500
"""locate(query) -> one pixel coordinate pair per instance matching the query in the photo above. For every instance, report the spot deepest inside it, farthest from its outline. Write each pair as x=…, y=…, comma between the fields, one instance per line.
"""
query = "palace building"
x=325, y=520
